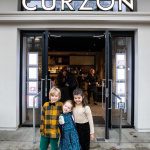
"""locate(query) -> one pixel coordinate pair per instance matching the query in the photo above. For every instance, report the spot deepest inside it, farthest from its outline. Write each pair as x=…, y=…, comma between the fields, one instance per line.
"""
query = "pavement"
x=22, y=139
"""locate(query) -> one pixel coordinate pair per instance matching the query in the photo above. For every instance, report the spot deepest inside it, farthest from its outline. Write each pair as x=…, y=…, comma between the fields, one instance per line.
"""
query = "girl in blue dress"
x=69, y=137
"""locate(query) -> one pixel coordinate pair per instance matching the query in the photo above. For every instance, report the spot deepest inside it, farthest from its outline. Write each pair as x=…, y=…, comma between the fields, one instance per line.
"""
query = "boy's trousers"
x=45, y=141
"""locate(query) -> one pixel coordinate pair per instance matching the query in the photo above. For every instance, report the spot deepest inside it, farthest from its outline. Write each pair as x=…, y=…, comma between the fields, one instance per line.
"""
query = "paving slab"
x=22, y=139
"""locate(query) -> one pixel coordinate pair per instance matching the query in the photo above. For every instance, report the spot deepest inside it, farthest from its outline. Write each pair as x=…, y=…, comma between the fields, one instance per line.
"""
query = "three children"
x=76, y=133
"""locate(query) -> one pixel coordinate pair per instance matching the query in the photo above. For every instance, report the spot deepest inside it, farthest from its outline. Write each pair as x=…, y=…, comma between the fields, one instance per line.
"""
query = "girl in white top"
x=83, y=119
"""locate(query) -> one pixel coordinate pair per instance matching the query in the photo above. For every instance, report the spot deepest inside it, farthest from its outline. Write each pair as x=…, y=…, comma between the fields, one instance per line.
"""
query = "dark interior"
x=78, y=44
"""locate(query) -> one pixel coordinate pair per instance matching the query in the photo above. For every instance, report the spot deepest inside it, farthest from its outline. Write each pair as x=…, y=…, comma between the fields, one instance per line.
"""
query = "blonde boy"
x=49, y=120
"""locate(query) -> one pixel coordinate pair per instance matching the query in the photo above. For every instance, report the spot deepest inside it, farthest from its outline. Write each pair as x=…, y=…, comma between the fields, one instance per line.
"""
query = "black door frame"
x=108, y=76
x=108, y=35
x=107, y=66
x=44, y=80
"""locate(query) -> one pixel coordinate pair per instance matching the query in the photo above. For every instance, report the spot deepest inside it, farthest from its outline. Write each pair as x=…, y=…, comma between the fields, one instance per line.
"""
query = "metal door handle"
x=46, y=86
x=42, y=91
x=50, y=83
x=103, y=86
x=110, y=80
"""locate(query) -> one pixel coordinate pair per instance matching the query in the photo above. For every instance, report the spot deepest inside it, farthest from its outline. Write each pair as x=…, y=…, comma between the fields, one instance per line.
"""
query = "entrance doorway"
x=47, y=53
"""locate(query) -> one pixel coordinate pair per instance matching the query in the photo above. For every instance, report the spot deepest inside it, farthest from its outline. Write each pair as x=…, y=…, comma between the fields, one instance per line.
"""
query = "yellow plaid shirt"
x=49, y=119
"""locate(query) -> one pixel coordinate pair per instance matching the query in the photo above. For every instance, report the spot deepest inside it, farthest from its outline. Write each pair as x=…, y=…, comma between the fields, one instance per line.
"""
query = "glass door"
x=122, y=78
x=117, y=86
x=31, y=73
x=34, y=75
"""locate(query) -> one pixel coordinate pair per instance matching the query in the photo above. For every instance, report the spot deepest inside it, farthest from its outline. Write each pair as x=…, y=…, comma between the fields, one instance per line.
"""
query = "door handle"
x=110, y=80
x=46, y=86
x=106, y=92
x=50, y=83
x=42, y=91
x=103, y=87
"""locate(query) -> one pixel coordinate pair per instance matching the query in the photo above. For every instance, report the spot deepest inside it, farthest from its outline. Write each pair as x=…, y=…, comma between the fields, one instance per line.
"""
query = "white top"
x=83, y=115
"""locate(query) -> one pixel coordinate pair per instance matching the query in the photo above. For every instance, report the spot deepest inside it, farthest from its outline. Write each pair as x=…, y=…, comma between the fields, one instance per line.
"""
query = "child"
x=83, y=119
x=49, y=127
x=69, y=138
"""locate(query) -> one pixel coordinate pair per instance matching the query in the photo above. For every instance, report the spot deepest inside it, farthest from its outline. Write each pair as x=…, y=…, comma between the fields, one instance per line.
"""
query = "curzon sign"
x=67, y=3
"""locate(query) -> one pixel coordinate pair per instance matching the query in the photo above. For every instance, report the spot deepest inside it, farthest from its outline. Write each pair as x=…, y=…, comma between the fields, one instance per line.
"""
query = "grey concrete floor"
x=22, y=139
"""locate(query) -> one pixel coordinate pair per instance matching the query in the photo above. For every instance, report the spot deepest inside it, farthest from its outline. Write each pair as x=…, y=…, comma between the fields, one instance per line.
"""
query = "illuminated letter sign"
x=67, y=3
x=50, y=8
x=85, y=8
x=26, y=7
x=128, y=4
x=105, y=8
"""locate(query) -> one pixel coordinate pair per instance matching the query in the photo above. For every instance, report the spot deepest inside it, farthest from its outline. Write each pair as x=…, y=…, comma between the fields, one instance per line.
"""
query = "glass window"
x=122, y=77
x=31, y=77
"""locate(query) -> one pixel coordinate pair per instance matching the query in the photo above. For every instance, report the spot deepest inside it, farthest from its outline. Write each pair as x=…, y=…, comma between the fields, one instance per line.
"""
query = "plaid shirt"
x=49, y=119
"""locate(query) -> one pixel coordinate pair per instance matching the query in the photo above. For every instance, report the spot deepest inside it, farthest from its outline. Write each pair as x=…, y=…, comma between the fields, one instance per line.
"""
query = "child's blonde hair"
x=69, y=101
x=54, y=90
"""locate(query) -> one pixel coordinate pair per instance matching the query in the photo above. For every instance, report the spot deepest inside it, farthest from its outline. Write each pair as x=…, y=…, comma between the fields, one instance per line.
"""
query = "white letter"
x=105, y=8
x=46, y=8
x=130, y=5
x=85, y=8
x=67, y=3
x=26, y=7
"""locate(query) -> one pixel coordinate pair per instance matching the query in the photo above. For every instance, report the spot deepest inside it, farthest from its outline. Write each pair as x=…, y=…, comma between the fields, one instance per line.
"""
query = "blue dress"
x=69, y=137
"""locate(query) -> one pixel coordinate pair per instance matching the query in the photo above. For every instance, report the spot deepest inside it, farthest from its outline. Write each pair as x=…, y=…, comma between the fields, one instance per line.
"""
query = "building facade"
x=16, y=24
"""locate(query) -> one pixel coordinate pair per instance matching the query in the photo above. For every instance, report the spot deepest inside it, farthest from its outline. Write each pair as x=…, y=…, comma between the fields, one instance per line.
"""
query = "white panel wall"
x=9, y=76
x=143, y=5
x=142, y=80
x=8, y=5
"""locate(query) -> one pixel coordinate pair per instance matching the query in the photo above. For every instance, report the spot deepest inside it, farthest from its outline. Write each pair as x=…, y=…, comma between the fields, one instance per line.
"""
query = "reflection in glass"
x=38, y=3
x=116, y=8
x=122, y=77
x=76, y=4
x=105, y=3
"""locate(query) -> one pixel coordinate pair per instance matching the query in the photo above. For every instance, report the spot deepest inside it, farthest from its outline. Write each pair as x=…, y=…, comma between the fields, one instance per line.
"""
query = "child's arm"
x=61, y=120
x=90, y=119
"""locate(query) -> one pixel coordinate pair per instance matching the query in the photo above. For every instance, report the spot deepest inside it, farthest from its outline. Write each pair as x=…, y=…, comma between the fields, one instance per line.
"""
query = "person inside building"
x=82, y=78
x=62, y=83
x=71, y=81
x=92, y=85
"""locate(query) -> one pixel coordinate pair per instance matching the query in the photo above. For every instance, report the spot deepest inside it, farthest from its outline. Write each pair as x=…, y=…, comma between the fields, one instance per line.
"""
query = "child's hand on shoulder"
x=92, y=137
x=61, y=120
